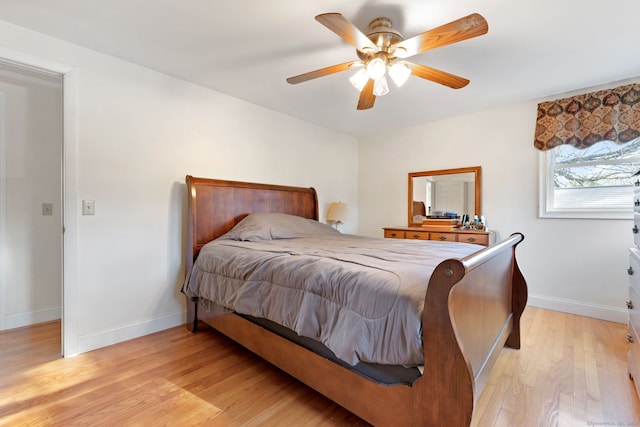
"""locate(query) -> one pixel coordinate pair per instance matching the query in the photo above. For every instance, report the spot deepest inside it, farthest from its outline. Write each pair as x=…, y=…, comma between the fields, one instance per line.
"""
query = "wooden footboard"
x=472, y=309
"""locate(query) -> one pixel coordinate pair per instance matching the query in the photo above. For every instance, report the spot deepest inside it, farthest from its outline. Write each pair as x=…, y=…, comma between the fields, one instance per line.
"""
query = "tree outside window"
x=593, y=182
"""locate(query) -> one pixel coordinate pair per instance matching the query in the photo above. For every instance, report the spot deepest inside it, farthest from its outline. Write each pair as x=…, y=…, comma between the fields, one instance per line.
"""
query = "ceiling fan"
x=382, y=50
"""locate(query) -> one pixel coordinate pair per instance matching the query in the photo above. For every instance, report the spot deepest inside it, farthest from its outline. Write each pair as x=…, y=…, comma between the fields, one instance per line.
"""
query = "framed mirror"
x=444, y=192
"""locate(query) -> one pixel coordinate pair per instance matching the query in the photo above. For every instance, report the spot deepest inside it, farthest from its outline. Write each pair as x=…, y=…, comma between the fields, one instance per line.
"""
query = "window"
x=590, y=147
x=594, y=182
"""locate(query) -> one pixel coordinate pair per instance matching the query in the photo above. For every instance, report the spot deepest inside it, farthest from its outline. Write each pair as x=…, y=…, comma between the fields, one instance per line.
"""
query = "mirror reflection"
x=444, y=193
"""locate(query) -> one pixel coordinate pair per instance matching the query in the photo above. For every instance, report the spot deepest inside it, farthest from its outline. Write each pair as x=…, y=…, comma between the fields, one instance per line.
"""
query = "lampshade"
x=376, y=68
x=359, y=79
x=381, y=87
x=338, y=212
x=399, y=73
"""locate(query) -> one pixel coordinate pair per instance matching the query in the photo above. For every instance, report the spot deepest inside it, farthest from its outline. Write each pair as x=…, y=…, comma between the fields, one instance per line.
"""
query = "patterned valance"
x=583, y=120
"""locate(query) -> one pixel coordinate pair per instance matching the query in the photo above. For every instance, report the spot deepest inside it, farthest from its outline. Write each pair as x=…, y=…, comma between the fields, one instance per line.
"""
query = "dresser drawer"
x=416, y=235
x=394, y=234
x=636, y=229
x=634, y=270
x=423, y=233
x=634, y=316
x=477, y=239
x=634, y=346
x=443, y=237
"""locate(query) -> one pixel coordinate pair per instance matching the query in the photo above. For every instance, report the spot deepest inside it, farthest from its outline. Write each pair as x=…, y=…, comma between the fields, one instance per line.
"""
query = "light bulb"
x=359, y=79
x=399, y=73
x=380, y=86
x=376, y=68
x=400, y=52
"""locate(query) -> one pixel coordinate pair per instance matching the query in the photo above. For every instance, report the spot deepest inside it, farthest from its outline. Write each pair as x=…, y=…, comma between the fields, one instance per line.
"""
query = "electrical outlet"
x=88, y=207
x=47, y=209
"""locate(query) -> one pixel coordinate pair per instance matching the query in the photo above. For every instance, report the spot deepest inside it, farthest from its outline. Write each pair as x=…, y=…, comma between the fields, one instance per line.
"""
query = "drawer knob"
x=630, y=271
x=629, y=338
x=637, y=202
x=416, y=236
x=637, y=183
x=393, y=234
x=471, y=239
x=630, y=305
x=442, y=238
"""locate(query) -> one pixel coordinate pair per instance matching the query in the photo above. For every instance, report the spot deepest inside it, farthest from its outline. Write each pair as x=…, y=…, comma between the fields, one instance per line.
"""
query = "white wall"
x=138, y=133
x=31, y=176
x=578, y=266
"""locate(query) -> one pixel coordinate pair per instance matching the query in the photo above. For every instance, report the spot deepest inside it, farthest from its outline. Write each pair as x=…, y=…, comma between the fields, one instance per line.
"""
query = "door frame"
x=3, y=222
x=69, y=186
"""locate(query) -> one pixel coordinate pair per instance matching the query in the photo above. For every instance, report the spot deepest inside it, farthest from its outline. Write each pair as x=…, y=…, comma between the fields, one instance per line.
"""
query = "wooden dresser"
x=485, y=238
x=633, y=304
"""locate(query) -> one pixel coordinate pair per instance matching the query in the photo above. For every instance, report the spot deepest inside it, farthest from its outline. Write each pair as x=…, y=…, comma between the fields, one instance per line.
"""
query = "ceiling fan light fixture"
x=399, y=73
x=380, y=86
x=376, y=68
x=359, y=79
x=400, y=52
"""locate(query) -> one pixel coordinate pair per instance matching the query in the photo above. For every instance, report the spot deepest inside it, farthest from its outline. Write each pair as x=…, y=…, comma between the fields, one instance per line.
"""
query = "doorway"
x=31, y=126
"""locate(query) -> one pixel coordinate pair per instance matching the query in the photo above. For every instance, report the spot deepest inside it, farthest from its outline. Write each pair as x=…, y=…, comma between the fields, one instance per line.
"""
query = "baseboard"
x=148, y=326
x=103, y=339
x=31, y=318
x=603, y=312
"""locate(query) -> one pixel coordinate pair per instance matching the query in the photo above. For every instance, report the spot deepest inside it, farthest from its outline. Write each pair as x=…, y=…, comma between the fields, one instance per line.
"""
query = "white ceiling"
x=247, y=48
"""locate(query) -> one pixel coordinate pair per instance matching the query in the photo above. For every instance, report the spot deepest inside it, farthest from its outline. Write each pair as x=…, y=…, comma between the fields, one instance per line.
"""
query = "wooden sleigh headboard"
x=215, y=206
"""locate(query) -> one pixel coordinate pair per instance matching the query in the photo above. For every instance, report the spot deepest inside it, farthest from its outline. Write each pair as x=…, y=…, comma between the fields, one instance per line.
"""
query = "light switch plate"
x=47, y=209
x=88, y=207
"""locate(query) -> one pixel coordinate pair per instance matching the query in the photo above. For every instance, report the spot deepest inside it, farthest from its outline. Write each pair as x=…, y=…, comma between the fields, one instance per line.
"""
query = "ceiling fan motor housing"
x=383, y=36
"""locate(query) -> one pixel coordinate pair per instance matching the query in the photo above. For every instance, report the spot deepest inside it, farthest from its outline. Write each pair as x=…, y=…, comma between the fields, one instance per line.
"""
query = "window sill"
x=587, y=214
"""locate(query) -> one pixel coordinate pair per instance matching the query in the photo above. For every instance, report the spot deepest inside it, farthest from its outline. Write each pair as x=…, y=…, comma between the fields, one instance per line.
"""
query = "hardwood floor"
x=571, y=370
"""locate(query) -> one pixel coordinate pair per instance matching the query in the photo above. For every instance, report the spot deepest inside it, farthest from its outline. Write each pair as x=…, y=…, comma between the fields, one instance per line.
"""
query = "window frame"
x=546, y=191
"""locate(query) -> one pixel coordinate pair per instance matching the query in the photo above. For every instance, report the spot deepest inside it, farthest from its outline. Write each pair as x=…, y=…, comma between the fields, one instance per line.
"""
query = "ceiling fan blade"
x=347, y=31
x=437, y=76
x=367, y=98
x=321, y=72
x=461, y=29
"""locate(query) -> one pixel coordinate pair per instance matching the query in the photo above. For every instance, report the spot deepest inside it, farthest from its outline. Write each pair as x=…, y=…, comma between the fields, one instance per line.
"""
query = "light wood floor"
x=571, y=371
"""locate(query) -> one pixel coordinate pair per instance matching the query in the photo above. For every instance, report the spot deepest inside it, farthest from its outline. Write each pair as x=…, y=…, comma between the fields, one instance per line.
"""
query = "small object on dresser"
x=439, y=224
x=478, y=224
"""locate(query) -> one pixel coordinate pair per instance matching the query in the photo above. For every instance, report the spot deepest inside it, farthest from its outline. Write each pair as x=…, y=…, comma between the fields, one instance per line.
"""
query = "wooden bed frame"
x=472, y=309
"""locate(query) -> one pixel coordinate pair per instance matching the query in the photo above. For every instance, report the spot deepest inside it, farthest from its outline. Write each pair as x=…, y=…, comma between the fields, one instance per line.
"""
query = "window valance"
x=583, y=120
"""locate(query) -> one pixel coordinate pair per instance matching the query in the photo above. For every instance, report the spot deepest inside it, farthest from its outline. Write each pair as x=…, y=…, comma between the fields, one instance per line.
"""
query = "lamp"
x=380, y=86
x=376, y=70
x=359, y=79
x=399, y=73
x=338, y=212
